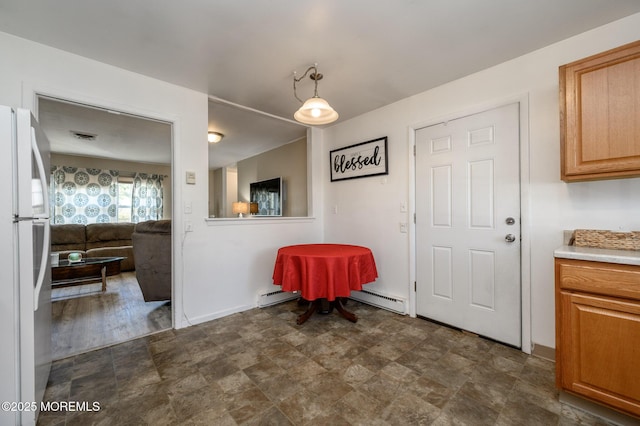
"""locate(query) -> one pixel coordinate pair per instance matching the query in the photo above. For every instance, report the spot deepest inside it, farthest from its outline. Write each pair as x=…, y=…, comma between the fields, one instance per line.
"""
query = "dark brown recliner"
x=152, y=254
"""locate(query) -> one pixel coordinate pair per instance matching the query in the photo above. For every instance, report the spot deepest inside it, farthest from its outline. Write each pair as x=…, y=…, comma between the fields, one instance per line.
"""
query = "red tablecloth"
x=324, y=270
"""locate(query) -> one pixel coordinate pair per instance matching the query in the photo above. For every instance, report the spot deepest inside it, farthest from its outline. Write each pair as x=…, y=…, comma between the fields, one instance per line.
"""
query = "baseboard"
x=544, y=352
x=186, y=322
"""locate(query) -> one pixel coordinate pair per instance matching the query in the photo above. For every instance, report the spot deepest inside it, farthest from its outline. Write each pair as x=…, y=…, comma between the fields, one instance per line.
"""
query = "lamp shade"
x=316, y=111
x=240, y=208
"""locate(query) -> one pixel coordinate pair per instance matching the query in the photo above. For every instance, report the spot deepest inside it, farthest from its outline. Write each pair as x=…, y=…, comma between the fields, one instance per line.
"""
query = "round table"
x=324, y=271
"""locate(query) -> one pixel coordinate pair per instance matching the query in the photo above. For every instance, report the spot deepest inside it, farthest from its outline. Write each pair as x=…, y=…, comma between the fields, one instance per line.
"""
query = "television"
x=268, y=194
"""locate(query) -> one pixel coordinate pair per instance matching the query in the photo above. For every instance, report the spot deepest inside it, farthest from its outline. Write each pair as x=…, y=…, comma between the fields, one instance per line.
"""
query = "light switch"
x=403, y=227
x=403, y=207
x=191, y=178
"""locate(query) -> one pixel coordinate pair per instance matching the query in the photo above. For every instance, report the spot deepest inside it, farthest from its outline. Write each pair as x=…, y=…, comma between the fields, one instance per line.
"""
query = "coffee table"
x=87, y=271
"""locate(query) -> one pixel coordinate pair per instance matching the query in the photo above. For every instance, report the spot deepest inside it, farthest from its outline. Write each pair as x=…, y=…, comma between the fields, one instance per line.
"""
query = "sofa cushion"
x=109, y=234
x=68, y=237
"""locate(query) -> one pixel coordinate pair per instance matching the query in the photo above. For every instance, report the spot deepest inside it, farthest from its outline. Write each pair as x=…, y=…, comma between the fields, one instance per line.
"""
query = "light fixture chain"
x=297, y=80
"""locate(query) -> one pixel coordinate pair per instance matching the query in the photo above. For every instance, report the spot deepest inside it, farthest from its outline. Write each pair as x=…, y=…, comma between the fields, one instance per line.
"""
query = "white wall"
x=217, y=269
x=369, y=208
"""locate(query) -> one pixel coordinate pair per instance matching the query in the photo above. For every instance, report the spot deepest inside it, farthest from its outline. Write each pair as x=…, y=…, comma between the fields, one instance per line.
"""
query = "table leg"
x=313, y=305
x=346, y=314
x=103, y=272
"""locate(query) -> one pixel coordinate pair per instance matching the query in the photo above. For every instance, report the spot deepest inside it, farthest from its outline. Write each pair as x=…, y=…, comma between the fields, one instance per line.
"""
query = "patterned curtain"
x=147, y=197
x=84, y=195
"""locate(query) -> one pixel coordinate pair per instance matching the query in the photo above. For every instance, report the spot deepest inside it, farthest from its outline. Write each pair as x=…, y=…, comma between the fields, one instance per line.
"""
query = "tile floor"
x=259, y=368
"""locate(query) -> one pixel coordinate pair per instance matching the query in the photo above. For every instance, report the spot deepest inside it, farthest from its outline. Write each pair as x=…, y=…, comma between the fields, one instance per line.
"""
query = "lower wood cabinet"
x=598, y=332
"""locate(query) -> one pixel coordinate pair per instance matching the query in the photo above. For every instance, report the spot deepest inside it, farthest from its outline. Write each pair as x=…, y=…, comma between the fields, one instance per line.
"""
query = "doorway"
x=468, y=223
x=130, y=149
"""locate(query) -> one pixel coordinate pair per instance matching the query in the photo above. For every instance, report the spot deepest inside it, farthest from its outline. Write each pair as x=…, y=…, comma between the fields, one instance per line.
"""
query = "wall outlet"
x=403, y=227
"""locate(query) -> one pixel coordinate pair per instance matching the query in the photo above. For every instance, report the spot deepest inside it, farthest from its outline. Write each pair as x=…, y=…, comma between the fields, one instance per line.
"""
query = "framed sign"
x=359, y=160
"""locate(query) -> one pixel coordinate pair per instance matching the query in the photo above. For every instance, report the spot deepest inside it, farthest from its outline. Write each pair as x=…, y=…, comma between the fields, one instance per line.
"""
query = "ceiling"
x=371, y=53
x=63, y=122
x=122, y=136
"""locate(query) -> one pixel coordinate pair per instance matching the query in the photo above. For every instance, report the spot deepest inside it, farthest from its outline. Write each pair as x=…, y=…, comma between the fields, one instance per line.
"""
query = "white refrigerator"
x=25, y=294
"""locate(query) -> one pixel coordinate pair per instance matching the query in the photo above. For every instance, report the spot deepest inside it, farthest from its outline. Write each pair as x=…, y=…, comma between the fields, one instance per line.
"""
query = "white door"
x=468, y=223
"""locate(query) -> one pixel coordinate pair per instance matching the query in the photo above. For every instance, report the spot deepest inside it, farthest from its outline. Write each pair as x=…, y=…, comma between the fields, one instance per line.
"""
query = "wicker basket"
x=607, y=239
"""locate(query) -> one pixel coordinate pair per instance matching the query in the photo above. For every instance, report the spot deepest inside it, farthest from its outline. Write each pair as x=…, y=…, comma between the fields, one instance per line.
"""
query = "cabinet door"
x=599, y=348
x=599, y=110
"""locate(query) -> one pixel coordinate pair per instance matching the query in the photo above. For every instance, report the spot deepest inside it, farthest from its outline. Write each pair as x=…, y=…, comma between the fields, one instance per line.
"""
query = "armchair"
x=152, y=253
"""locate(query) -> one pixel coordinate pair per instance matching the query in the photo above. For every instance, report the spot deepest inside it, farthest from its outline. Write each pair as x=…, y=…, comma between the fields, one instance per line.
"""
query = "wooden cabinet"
x=598, y=332
x=600, y=115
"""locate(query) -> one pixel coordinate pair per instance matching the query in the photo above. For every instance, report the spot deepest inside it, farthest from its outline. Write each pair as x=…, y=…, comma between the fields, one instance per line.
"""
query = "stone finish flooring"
x=260, y=368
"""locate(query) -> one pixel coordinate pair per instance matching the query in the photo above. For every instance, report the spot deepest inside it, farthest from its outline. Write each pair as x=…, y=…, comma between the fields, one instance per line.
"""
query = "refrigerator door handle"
x=43, y=176
x=44, y=262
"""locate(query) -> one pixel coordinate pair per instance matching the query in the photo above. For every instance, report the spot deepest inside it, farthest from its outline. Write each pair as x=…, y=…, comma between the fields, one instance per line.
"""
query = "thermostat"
x=191, y=178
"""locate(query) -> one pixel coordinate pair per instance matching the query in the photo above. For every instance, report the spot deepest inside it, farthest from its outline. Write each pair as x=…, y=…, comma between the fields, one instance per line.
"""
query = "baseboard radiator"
x=390, y=303
x=274, y=297
x=393, y=304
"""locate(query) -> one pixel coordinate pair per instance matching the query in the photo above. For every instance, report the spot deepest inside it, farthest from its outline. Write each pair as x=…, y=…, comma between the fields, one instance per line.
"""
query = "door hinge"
x=414, y=150
x=414, y=218
x=415, y=286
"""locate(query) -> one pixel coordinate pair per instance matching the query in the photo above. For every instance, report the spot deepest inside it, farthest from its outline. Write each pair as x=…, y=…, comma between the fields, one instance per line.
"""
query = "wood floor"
x=85, y=318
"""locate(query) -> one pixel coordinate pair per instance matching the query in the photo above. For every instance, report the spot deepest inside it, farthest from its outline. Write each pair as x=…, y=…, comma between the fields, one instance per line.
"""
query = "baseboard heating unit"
x=390, y=303
x=275, y=297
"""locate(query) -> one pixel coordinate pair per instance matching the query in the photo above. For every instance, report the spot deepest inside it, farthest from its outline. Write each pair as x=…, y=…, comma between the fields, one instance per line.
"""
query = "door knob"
x=510, y=238
x=510, y=221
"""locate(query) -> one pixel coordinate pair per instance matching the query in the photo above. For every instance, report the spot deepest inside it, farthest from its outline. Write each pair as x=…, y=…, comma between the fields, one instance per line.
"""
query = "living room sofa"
x=95, y=240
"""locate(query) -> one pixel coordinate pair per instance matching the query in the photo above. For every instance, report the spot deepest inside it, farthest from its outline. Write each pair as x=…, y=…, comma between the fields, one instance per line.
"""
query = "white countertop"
x=625, y=257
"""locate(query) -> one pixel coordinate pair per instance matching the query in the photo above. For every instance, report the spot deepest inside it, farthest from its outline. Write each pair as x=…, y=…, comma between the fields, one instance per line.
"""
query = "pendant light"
x=315, y=110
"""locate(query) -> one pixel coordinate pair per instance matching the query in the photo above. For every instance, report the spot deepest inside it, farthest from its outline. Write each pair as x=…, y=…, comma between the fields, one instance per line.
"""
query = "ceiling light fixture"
x=215, y=137
x=315, y=110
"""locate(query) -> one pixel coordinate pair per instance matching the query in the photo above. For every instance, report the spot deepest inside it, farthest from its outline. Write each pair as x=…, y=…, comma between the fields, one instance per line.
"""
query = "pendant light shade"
x=315, y=110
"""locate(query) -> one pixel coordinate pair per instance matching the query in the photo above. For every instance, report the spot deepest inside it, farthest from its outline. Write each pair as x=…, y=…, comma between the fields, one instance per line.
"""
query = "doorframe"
x=30, y=94
x=525, y=204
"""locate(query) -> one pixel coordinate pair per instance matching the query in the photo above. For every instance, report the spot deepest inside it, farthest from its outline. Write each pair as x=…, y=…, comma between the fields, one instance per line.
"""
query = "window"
x=125, y=196
x=89, y=195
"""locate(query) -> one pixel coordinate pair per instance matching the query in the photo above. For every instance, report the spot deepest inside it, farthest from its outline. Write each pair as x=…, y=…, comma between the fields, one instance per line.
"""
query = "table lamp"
x=240, y=208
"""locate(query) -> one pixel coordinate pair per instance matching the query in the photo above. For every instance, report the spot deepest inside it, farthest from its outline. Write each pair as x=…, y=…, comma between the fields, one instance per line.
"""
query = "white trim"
x=257, y=111
x=525, y=204
x=247, y=221
x=30, y=94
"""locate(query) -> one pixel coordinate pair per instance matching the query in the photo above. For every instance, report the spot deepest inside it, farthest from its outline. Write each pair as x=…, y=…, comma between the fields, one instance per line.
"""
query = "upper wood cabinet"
x=600, y=115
